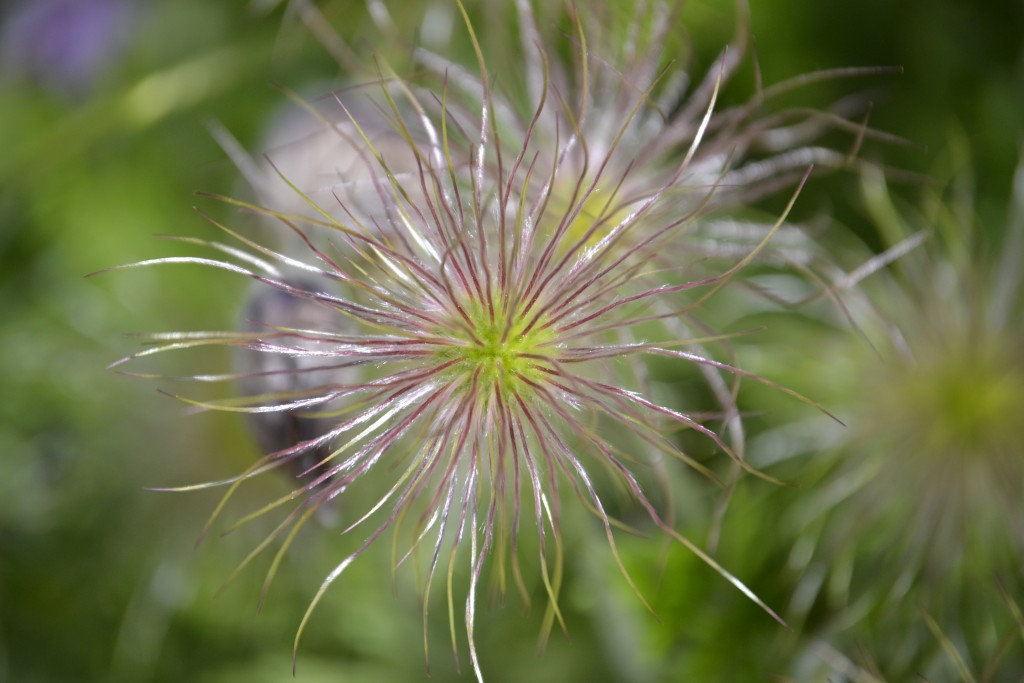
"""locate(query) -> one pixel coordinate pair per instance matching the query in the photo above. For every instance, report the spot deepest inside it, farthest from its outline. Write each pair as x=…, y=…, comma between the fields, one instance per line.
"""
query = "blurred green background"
x=106, y=108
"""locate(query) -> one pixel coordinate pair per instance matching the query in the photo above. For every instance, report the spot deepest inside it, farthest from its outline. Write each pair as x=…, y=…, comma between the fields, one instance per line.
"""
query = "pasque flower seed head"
x=470, y=306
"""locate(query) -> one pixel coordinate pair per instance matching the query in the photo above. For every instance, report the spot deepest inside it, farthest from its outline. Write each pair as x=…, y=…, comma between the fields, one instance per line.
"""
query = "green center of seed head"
x=967, y=402
x=502, y=351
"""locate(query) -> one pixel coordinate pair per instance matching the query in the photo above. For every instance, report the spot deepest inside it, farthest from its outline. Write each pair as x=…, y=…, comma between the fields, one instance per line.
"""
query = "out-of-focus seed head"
x=916, y=527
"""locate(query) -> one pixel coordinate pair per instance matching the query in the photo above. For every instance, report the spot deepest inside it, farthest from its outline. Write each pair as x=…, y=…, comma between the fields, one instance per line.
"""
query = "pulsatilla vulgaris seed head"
x=488, y=290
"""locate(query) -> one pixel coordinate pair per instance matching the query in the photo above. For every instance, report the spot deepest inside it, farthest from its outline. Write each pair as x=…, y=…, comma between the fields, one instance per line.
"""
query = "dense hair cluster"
x=470, y=303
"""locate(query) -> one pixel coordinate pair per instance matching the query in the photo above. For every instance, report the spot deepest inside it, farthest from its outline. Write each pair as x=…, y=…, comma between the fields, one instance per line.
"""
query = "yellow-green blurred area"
x=107, y=113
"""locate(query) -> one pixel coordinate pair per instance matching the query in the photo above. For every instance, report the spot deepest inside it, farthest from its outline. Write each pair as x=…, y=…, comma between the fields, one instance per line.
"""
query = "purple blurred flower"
x=64, y=44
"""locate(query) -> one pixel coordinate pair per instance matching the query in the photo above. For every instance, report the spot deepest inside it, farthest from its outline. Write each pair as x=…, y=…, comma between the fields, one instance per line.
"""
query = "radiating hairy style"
x=471, y=289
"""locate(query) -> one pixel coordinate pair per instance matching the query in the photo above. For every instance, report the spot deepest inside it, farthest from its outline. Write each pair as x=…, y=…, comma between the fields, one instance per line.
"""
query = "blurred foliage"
x=98, y=577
